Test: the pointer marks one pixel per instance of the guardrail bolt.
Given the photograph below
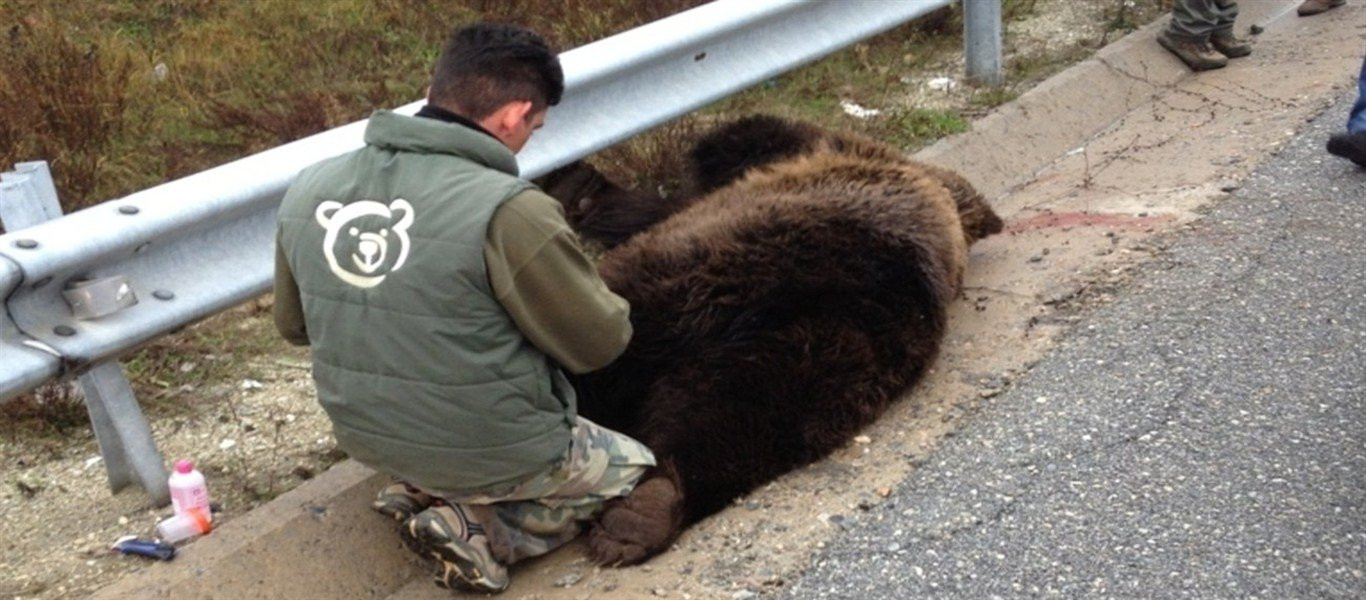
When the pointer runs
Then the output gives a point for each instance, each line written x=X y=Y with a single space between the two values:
x=26 y=243
x=64 y=330
x=128 y=209
x=163 y=294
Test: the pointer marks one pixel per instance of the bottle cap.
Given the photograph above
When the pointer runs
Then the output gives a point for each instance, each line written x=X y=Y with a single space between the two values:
x=184 y=466
x=183 y=527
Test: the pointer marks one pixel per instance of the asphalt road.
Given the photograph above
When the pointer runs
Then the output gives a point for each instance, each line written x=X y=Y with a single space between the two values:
x=1203 y=436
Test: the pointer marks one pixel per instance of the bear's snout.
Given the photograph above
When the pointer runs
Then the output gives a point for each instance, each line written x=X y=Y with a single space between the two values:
x=372 y=248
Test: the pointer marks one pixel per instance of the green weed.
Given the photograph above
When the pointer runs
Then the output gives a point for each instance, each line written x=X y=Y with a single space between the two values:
x=916 y=128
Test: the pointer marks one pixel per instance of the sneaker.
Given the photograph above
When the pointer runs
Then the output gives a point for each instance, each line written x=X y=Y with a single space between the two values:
x=1351 y=146
x=1314 y=7
x=400 y=501
x=458 y=544
x=1229 y=45
x=1197 y=54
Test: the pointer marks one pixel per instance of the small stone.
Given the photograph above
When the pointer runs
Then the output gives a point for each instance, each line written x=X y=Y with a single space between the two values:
x=661 y=592
x=568 y=580
x=227 y=444
x=1256 y=29
x=884 y=491
x=744 y=595
x=123 y=520
x=863 y=439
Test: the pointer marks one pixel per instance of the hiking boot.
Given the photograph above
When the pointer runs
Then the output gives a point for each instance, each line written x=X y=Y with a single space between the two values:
x=1314 y=7
x=1229 y=45
x=1351 y=146
x=447 y=534
x=400 y=501
x=1197 y=54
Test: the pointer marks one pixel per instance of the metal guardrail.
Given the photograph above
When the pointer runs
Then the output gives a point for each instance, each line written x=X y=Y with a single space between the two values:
x=182 y=251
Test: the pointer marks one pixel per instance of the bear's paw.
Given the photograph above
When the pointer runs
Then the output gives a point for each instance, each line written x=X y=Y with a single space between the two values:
x=640 y=525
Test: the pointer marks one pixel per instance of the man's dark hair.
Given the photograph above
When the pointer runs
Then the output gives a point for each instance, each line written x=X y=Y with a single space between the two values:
x=486 y=65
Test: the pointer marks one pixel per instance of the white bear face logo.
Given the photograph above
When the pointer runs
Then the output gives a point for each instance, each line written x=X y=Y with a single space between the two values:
x=365 y=240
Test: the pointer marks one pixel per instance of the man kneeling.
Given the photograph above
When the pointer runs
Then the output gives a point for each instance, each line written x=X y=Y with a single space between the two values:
x=443 y=297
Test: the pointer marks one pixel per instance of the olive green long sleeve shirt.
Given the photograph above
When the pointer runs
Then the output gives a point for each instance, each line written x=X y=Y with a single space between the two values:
x=539 y=274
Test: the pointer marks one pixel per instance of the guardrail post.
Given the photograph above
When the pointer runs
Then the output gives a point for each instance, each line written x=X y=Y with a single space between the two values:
x=982 y=40
x=28 y=197
x=130 y=454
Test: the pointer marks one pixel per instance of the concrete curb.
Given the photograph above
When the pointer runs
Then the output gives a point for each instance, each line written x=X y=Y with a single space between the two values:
x=292 y=546
x=288 y=549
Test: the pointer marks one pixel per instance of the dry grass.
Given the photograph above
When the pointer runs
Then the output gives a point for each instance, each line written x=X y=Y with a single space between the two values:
x=64 y=99
x=120 y=95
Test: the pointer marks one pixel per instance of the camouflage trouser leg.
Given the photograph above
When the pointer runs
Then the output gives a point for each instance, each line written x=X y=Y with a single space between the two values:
x=1198 y=19
x=545 y=512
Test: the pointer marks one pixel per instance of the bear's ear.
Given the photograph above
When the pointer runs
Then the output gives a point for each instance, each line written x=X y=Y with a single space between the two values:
x=325 y=212
x=407 y=219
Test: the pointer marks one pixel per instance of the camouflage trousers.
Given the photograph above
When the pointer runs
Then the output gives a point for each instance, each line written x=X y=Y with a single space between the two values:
x=1198 y=19
x=546 y=511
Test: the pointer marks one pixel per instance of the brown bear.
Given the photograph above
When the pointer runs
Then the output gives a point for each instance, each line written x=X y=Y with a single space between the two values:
x=777 y=312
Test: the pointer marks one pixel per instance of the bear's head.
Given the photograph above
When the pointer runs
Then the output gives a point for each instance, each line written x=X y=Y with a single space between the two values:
x=365 y=240
x=601 y=211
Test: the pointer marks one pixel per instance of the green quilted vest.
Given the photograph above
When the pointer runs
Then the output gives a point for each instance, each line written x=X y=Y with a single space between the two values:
x=424 y=375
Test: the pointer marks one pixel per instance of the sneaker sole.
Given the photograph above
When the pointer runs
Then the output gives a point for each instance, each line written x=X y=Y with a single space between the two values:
x=454 y=570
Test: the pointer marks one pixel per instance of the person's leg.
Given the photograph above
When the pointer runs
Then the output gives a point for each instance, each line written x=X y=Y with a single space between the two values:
x=1187 y=34
x=1225 y=12
x=1352 y=145
x=1195 y=19
x=546 y=512
x=474 y=537
x=1356 y=120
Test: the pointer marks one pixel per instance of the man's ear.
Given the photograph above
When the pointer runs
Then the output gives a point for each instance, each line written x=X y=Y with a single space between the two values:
x=514 y=113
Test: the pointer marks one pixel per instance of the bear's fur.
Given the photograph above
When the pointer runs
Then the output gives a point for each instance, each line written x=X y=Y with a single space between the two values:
x=775 y=315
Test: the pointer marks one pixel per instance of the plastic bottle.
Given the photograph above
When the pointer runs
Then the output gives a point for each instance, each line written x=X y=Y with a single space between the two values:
x=184 y=526
x=188 y=491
